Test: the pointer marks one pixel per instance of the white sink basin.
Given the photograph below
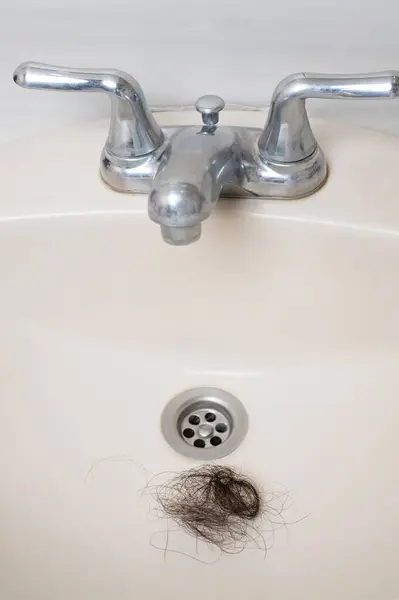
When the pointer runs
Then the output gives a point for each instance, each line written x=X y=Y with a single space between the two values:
x=291 y=306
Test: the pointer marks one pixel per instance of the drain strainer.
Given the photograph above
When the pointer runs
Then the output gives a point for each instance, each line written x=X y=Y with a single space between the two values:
x=204 y=423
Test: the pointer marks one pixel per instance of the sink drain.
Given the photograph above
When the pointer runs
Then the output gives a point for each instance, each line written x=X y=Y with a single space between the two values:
x=204 y=423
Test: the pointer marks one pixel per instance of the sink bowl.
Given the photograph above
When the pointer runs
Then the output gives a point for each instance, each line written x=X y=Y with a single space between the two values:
x=290 y=306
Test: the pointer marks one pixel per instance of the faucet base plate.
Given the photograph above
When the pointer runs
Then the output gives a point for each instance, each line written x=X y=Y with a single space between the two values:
x=266 y=179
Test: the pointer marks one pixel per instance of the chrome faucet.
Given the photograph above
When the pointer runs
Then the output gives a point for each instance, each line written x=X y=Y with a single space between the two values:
x=185 y=169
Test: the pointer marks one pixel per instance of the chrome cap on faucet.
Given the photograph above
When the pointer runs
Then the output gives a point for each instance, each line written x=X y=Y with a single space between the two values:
x=210 y=106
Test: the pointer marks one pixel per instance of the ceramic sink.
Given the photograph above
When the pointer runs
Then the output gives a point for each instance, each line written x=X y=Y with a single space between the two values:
x=292 y=306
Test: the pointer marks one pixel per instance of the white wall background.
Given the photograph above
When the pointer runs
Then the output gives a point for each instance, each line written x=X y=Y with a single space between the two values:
x=180 y=49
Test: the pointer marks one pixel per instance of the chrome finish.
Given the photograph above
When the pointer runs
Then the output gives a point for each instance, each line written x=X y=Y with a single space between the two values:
x=287 y=136
x=210 y=106
x=196 y=164
x=133 y=130
x=187 y=427
x=205 y=431
x=181 y=236
x=185 y=169
x=269 y=179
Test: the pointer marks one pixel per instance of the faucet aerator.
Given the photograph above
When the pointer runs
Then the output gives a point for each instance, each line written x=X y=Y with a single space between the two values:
x=181 y=236
x=179 y=209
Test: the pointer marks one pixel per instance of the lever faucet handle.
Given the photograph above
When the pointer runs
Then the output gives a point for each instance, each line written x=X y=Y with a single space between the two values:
x=210 y=106
x=287 y=136
x=133 y=130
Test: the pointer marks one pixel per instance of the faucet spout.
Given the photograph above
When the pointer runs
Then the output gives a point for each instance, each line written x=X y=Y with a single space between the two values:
x=198 y=162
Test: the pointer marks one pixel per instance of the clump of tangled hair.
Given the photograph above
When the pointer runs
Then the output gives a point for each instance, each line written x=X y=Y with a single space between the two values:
x=213 y=503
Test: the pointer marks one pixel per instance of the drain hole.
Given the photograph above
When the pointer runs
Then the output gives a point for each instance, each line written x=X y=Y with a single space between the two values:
x=207 y=419
x=188 y=433
x=215 y=441
x=221 y=428
x=200 y=443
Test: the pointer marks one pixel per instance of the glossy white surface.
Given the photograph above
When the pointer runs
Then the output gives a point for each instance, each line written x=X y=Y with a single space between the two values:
x=291 y=306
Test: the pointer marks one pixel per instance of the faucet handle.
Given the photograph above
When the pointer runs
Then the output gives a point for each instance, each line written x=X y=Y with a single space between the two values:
x=287 y=136
x=133 y=130
x=210 y=106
